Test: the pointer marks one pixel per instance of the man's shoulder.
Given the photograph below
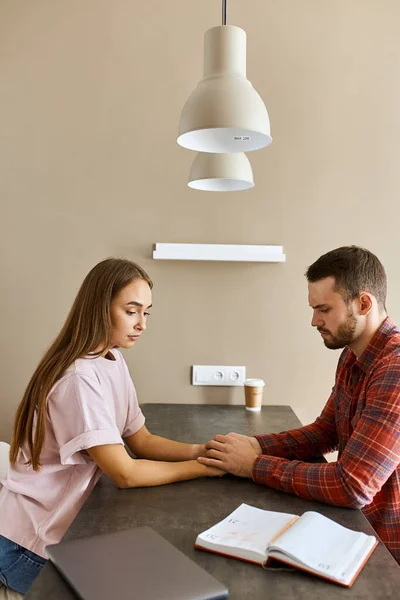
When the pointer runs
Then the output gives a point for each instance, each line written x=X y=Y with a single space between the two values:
x=387 y=340
x=384 y=357
x=391 y=350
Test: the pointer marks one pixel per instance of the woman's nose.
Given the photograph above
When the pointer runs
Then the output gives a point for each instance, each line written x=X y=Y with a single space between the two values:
x=141 y=323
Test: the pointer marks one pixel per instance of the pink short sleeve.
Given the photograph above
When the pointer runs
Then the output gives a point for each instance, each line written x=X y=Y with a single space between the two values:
x=81 y=418
x=135 y=418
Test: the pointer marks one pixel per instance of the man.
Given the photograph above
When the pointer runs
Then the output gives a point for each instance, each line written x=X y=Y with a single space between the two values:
x=347 y=293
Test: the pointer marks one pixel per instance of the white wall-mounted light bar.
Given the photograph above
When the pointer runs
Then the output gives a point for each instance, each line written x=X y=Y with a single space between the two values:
x=223 y=252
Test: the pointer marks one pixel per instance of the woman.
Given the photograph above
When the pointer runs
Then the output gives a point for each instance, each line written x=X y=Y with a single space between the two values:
x=79 y=409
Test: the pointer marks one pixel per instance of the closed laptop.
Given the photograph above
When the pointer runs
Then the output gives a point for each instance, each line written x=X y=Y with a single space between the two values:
x=132 y=564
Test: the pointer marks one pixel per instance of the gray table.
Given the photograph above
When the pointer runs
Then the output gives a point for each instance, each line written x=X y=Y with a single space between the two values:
x=181 y=510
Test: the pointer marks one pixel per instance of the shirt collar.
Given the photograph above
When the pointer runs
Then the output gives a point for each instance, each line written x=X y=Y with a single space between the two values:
x=376 y=345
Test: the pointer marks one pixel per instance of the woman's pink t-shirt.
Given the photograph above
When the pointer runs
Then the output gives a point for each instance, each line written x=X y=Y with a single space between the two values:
x=94 y=403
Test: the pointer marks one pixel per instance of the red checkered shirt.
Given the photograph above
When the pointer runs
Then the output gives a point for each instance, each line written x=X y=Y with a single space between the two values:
x=362 y=421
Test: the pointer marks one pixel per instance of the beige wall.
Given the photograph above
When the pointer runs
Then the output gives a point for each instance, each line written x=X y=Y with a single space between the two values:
x=90 y=97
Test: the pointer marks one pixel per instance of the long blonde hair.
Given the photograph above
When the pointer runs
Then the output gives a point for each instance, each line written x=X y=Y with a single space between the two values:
x=88 y=327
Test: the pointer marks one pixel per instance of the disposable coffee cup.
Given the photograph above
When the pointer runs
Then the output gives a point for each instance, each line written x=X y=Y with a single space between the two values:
x=253 y=394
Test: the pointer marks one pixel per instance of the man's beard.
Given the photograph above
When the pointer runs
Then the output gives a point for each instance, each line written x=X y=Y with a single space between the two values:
x=345 y=334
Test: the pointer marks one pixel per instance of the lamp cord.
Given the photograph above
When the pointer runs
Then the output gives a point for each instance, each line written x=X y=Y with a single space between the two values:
x=223 y=12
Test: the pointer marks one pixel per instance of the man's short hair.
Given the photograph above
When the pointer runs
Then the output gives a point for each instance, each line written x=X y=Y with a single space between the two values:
x=355 y=270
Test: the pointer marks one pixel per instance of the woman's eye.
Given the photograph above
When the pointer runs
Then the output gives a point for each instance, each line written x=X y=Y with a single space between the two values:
x=146 y=314
x=129 y=312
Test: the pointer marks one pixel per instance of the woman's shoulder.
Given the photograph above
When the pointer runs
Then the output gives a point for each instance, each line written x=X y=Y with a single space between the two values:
x=91 y=367
x=89 y=364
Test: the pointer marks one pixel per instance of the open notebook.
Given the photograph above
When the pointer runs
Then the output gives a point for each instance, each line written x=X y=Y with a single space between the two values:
x=311 y=542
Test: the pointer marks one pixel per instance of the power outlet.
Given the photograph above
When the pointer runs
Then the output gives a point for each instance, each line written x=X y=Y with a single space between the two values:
x=217 y=375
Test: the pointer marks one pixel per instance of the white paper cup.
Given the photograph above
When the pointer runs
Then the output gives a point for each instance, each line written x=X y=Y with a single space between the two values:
x=253 y=394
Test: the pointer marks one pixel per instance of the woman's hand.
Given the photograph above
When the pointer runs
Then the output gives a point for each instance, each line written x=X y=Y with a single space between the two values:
x=199 y=450
x=214 y=472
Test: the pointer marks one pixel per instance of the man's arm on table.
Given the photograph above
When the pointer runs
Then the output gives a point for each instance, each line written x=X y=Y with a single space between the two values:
x=370 y=457
x=239 y=452
x=304 y=442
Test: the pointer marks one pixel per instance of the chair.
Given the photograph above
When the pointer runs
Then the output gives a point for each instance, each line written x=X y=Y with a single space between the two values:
x=7 y=594
x=4 y=461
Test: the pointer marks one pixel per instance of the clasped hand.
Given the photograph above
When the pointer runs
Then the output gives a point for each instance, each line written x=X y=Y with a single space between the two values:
x=233 y=453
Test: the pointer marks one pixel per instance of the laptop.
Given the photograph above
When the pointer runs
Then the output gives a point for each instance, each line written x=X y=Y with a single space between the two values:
x=132 y=564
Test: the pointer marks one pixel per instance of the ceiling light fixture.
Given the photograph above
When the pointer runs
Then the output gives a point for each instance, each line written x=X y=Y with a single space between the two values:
x=221 y=172
x=224 y=113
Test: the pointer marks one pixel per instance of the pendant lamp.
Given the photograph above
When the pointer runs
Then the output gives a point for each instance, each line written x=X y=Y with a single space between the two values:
x=224 y=113
x=221 y=172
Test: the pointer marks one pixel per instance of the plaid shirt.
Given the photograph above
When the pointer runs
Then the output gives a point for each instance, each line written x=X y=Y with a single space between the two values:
x=362 y=421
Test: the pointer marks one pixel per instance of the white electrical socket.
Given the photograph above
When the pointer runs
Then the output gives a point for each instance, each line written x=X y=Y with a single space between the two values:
x=217 y=375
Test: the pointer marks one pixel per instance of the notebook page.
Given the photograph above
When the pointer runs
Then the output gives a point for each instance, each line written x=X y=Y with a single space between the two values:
x=248 y=528
x=325 y=546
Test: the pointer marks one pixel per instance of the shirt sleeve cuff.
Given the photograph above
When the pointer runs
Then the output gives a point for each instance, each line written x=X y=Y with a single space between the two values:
x=268 y=444
x=71 y=454
x=134 y=426
x=263 y=468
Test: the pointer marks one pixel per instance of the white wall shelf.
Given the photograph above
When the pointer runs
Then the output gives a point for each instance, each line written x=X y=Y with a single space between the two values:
x=223 y=252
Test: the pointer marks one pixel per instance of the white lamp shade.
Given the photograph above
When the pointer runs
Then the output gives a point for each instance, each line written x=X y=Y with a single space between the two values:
x=224 y=113
x=221 y=172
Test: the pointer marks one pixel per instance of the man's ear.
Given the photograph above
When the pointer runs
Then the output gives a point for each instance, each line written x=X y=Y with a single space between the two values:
x=364 y=303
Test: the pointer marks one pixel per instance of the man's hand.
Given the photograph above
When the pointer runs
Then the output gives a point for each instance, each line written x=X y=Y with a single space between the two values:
x=233 y=453
x=254 y=442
